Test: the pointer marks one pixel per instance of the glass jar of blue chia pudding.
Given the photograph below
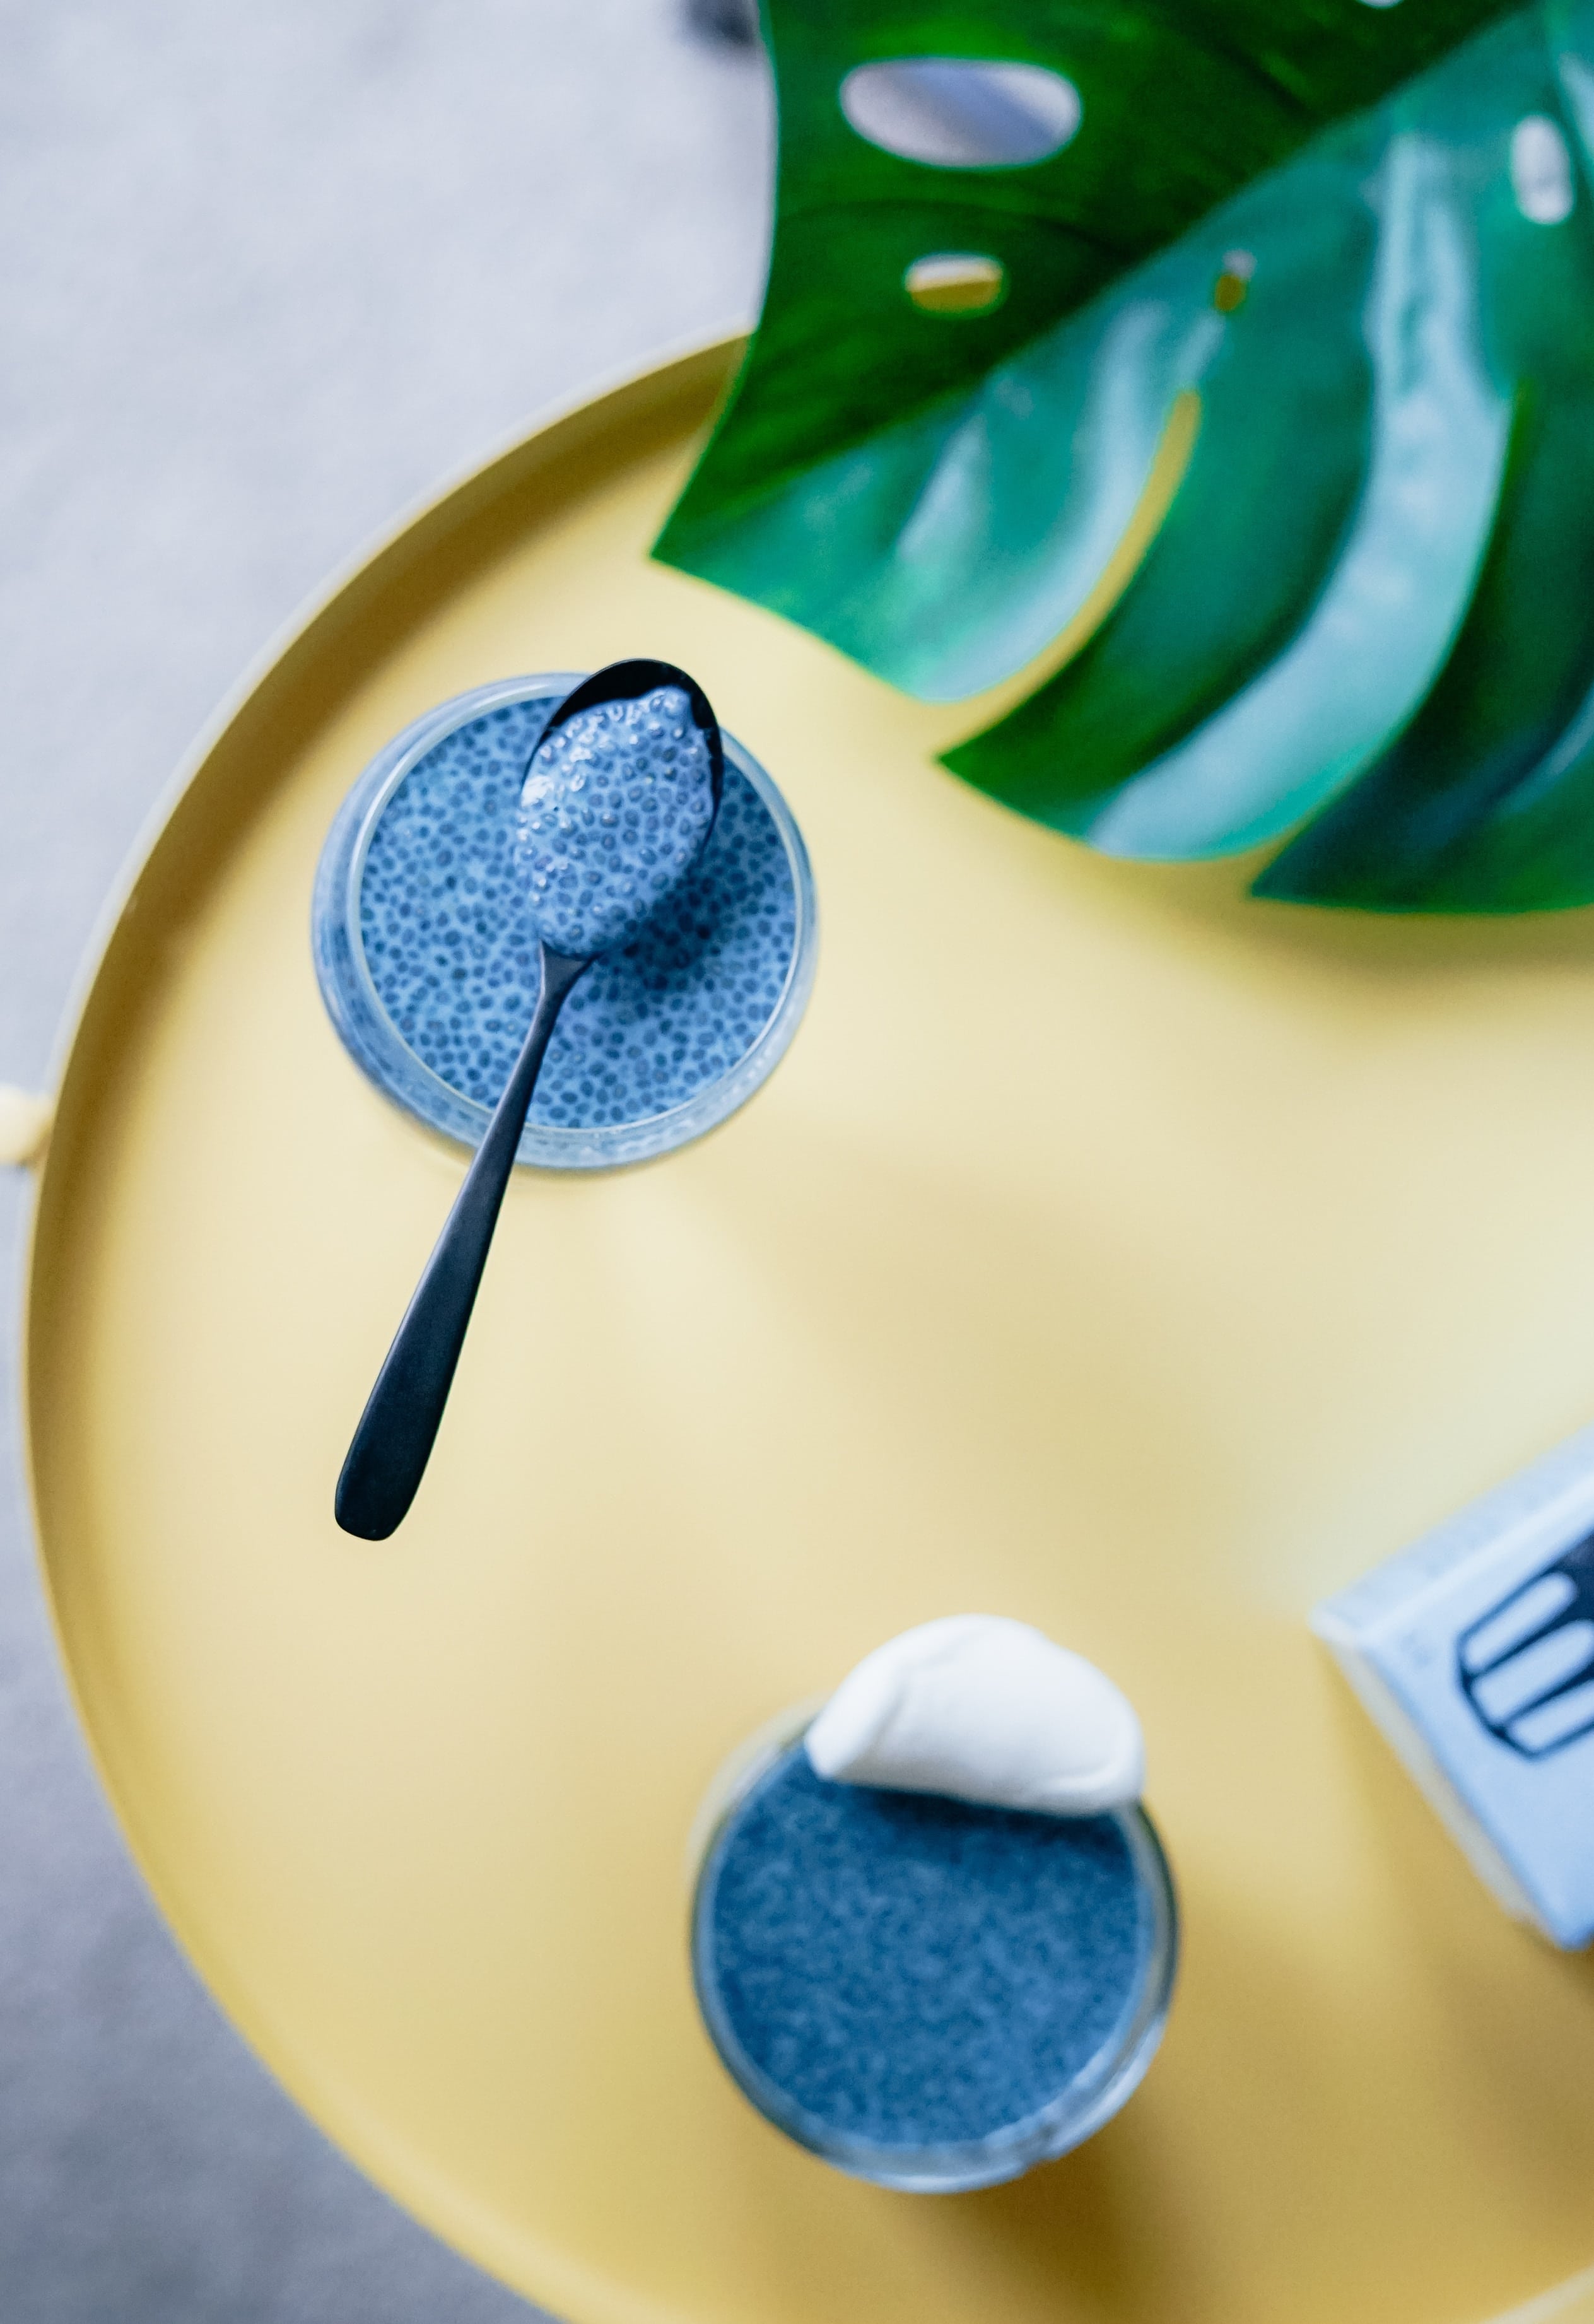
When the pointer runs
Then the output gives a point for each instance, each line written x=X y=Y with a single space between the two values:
x=929 y=1994
x=427 y=960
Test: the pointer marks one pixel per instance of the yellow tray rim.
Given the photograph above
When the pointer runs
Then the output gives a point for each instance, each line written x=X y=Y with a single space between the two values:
x=190 y=822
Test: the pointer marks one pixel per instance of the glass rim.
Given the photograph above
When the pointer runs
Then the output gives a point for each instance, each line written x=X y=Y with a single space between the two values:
x=386 y=1057
x=957 y=2166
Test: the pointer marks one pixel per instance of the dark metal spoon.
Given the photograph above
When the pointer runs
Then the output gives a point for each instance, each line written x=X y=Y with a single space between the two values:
x=617 y=807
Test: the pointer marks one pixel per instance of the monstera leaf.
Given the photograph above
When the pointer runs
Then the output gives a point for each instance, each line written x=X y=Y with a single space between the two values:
x=1247 y=437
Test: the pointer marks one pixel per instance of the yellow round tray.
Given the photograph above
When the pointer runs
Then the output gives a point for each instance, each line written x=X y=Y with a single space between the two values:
x=1108 y=1251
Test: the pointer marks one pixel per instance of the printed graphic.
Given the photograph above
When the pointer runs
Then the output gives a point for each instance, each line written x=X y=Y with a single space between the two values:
x=1527 y=1666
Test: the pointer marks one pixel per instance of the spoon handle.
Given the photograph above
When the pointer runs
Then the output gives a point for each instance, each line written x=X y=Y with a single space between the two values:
x=392 y=1443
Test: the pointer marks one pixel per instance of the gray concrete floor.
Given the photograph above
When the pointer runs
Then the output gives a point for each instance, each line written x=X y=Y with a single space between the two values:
x=266 y=274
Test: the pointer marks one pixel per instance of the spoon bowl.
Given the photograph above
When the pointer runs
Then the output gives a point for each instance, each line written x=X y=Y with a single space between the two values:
x=619 y=800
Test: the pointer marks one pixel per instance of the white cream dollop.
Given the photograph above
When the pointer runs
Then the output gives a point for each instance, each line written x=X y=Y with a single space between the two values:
x=983 y=1708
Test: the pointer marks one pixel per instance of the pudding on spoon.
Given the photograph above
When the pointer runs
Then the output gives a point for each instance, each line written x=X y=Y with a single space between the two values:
x=619 y=802
x=617 y=805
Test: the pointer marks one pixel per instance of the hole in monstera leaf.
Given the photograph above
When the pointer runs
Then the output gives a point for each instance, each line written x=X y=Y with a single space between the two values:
x=955 y=282
x=1228 y=290
x=960 y=113
x=1541 y=171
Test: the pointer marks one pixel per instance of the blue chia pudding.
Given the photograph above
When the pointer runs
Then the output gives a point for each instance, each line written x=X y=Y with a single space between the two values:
x=615 y=810
x=930 y=1994
x=662 y=1036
